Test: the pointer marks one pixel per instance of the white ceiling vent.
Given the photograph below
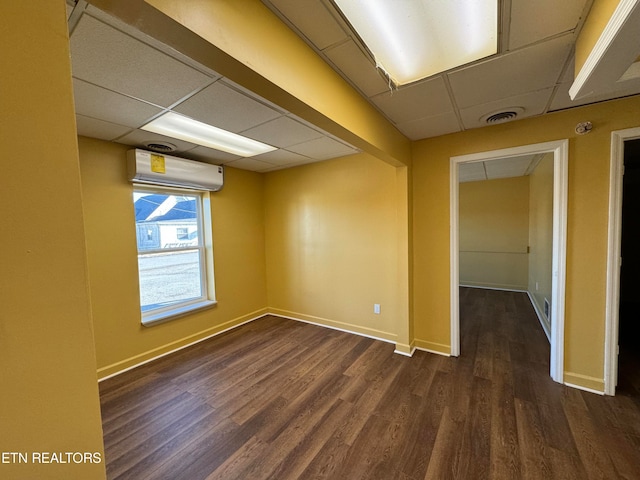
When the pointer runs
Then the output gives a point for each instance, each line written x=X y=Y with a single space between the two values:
x=502 y=116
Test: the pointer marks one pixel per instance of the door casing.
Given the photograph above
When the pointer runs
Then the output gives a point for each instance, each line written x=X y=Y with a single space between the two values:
x=560 y=150
x=612 y=319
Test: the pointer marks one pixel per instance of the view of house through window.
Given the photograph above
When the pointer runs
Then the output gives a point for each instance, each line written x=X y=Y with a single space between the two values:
x=171 y=252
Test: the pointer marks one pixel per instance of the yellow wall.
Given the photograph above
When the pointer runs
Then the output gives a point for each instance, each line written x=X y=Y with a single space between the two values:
x=49 y=391
x=239 y=261
x=541 y=233
x=587 y=225
x=493 y=233
x=332 y=249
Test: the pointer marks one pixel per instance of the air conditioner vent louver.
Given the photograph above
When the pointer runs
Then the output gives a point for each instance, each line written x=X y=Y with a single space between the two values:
x=501 y=117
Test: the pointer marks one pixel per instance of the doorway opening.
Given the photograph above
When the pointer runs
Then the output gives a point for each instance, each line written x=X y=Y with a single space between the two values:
x=559 y=150
x=622 y=356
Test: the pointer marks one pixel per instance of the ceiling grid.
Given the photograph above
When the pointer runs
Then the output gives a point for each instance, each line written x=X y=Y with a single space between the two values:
x=123 y=79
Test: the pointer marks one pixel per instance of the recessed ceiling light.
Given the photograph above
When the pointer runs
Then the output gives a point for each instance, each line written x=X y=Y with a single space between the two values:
x=190 y=130
x=413 y=39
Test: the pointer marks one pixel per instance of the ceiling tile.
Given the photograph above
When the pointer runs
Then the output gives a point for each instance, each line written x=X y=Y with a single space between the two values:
x=282 y=158
x=250 y=164
x=500 y=168
x=139 y=138
x=91 y=127
x=312 y=19
x=97 y=102
x=282 y=132
x=533 y=103
x=239 y=88
x=527 y=70
x=420 y=100
x=273 y=169
x=430 y=126
x=224 y=107
x=307 y=161
x=535 y=21
x=532 y=161
x=508 y=167
x=356 y=66
x=132 y=31
x=322 y=148
x=561 y=99
x=569 y=71
x=471 y=172
x=109 y=58
x=210 y=155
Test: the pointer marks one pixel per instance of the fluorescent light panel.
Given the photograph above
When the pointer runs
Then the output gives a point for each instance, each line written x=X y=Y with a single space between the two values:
x=185 y=128
x=414 y=39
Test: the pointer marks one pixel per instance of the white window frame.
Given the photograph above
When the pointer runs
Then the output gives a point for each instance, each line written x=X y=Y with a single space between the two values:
x=205 y=247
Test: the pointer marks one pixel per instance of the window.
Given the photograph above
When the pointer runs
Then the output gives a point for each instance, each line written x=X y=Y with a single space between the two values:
x=183 y=233
x=175 y=264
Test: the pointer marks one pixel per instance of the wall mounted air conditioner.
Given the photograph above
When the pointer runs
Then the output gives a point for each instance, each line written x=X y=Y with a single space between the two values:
x=158 y=169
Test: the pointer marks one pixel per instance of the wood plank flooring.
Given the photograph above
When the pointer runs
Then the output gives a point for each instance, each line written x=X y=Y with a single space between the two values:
x=281 y=399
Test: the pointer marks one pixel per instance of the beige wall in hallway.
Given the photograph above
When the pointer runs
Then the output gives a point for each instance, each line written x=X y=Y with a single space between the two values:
x=494 y=230
x=541 y=233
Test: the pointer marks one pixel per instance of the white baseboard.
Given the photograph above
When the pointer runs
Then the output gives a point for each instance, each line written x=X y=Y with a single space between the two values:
x=586 y=389
x=436 y=352
x=290 y=317
x=319 y=324
x=410 y=354
x=164 y=354
x=483 y=287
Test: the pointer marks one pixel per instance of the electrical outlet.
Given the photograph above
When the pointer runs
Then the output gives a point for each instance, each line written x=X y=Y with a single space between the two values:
x=376 y=308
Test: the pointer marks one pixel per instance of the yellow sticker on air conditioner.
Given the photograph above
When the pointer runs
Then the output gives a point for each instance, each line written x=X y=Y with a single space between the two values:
x=157 y=164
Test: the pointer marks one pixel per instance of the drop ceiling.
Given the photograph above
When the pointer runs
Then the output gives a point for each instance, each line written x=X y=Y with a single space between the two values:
x=123 y=79
x=531 y=74
x=520 y=166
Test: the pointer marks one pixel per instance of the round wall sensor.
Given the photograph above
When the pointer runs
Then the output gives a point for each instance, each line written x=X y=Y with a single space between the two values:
x=584 y=127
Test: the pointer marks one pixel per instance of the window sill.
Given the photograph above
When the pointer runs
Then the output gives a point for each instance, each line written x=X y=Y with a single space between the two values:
x=156 y=318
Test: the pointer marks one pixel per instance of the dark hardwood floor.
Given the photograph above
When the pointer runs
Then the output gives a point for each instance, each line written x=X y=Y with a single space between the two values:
x=281 y=399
